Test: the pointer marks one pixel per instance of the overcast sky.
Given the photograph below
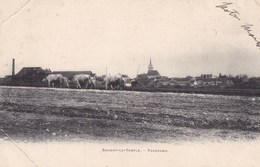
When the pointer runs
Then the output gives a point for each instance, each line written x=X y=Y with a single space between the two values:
x=183 y=37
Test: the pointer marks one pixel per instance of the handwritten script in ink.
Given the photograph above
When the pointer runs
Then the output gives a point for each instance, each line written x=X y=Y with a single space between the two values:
x=234 y=13
x=247 y=27
x=231 y=12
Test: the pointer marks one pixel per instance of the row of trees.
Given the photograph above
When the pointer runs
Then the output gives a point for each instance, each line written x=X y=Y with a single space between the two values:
x=243 y=81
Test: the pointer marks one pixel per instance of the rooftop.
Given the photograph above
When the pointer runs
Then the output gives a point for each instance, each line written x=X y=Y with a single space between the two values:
x=32 y=70
x=153 y=73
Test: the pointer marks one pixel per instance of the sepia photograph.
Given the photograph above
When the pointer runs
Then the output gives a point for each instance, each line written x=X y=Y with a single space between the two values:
x=108 y=83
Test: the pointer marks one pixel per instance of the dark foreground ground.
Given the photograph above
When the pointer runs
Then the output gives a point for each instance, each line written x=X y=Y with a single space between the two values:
x=40 y=114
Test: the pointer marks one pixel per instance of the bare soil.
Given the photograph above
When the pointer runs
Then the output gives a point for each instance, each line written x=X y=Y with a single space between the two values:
x=40 y=114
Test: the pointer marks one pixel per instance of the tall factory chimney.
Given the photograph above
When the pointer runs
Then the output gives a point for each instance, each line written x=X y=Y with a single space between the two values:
x=13 y=68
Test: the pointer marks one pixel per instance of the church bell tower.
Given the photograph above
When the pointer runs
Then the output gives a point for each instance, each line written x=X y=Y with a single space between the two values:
x=150 y=67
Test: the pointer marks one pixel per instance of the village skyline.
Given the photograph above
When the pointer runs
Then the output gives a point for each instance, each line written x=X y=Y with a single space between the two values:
x=150 y=67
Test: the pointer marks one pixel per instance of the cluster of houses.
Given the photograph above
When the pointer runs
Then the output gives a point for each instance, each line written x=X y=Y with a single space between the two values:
x=154 y=79
x=205 y=80
x=33 y=76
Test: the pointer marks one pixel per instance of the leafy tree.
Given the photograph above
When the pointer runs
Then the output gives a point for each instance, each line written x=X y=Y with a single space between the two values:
x=240 y=80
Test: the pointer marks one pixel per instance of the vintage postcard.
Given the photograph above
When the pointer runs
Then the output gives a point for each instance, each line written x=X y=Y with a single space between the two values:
x=109 y=83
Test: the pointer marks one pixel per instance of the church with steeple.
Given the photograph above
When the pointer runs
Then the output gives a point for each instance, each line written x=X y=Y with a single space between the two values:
x=151 y=72
x=150 y=67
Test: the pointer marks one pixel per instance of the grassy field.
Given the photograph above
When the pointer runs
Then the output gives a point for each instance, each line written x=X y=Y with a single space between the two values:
x=39 y=114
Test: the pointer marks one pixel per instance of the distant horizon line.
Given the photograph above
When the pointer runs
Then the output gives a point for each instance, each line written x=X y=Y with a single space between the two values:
x=150 y=67
x=188 y=75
